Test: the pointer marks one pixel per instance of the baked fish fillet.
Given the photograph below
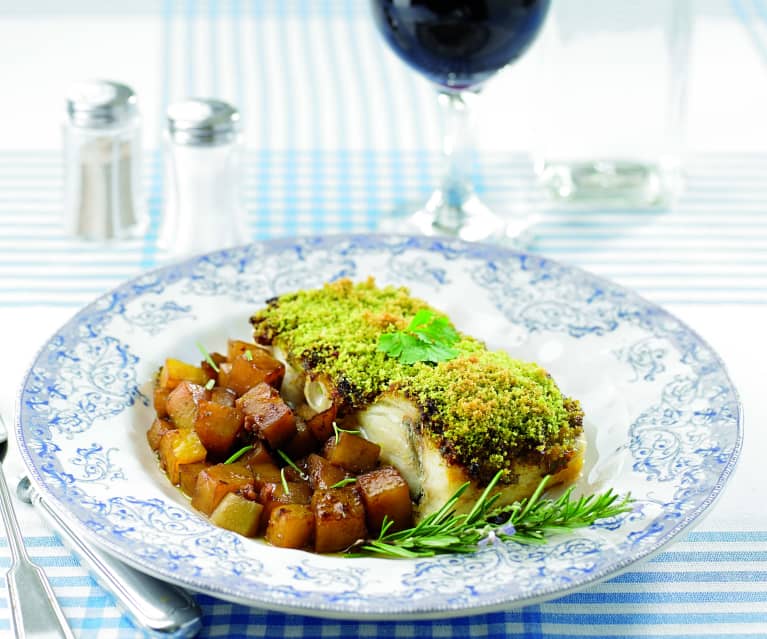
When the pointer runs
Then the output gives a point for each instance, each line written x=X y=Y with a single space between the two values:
x=440 y=425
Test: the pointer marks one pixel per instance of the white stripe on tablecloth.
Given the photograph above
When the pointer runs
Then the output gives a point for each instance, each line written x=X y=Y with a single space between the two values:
x=712 y=248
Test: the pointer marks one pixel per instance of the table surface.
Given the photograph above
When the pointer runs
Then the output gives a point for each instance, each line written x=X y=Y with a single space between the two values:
x=339 y=132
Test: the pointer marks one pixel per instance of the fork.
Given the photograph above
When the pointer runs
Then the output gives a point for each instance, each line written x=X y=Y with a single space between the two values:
x=36 y=612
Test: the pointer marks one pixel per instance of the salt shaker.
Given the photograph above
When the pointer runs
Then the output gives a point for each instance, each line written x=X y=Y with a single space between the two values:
x=204 y=208
x=102 y=156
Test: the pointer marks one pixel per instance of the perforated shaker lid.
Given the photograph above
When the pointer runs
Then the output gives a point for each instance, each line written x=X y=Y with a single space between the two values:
x=100 y=103
x=202 y=122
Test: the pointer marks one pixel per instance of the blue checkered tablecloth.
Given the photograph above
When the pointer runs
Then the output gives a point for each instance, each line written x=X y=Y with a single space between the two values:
x=338 y=132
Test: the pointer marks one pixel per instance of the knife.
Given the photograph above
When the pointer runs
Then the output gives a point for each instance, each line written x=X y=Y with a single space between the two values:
x=159 y=608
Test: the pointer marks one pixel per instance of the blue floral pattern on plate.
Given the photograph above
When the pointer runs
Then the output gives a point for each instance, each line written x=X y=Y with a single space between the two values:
x=663 y=420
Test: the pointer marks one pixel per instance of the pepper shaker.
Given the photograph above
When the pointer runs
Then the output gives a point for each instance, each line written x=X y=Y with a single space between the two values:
x=102 y=157
x=204 y=208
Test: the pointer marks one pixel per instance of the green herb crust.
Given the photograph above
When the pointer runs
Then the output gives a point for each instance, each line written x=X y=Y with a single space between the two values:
x=485 y=409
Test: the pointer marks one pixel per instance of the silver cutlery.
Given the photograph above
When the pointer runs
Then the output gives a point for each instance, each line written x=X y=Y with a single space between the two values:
x=36 y=612
x=159 y=608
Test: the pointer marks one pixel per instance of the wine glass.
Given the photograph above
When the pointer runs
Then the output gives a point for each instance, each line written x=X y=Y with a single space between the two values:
x=458 y=45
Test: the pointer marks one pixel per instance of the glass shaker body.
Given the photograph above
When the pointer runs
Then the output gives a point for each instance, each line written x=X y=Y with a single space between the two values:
x=204 y=207
x=103 y=194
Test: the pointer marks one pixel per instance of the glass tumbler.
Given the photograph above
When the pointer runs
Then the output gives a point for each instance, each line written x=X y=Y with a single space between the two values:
x=613 y=88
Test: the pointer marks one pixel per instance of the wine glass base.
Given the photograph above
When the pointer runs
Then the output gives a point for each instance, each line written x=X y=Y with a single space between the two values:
x=474 y=221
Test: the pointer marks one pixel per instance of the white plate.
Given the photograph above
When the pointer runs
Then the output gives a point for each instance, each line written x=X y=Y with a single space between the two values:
x=663 y=421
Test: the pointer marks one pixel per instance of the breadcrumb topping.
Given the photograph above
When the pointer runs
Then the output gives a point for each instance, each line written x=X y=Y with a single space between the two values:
x=485 y=409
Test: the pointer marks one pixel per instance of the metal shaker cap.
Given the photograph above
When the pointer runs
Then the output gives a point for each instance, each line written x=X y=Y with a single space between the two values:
x=100 y=103
x=202 y=122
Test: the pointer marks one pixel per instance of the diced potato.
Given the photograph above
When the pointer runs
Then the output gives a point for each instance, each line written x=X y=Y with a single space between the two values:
x=183 y=402
x=385 y=493
x=323 y=474
x=187 y=476
x=245 y=373
x=160 y=400
x=238 y=514
x=179 y=447
x=217 y=426
x=267 y=415
x=291 y=526
x=158 y=428
x=339 y=518
x=351 y=452
x=258 y=454
x=321 y=424
x=236 y=347
x=209 y=369
x=273 y=495
x=266 y=472
x=215 y=482
x=223 y=396
x=175 y=371
x=302 y=443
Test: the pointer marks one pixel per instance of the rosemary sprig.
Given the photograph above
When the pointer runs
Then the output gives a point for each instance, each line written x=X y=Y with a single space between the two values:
x=529 y=520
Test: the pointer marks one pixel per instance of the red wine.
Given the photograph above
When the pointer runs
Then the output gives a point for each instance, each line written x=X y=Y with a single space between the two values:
x=459 y=43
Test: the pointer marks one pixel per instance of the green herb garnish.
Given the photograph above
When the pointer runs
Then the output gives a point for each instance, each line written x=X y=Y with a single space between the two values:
x=291 y=463
x=428 y=338
x=238 y=454
x=210 y=384
x=344 y=482
x=529 y=520
x=207 y=357
x=285 y=486
x=248 y=355
x=338 y=430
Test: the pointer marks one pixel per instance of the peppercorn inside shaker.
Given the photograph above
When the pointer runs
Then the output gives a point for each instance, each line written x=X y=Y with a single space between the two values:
x=102 y=162
x=204 y=208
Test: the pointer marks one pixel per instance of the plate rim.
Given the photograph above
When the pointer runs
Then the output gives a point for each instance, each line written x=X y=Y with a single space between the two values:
x=339 y=610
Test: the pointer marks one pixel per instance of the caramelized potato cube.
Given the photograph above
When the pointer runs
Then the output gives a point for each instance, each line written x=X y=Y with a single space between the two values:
x=273 y=495
x=224 y=370
x=302 y=443
x=245 y=373
x=187 y=476
x=223 y=396
x=339 y=518
x=385 y=493
x=351 y=452
x=179 y=447
x=258 y=454
x=183 y=402
x=158 y=428
x=321 y=424
x=267 y=415
x=238 y=514
x=160 y=400
x=217 y=426
x=236 y=347
x=174 y=371
x=265 y=473
x=210 y=370
x=323 y=474
x=291 y=526
x=215 y=482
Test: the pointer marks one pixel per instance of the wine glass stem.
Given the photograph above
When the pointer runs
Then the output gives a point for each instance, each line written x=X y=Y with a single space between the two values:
x=455 y=187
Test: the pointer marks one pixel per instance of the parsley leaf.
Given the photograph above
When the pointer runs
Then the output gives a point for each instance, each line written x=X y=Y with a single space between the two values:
x=428 y=338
